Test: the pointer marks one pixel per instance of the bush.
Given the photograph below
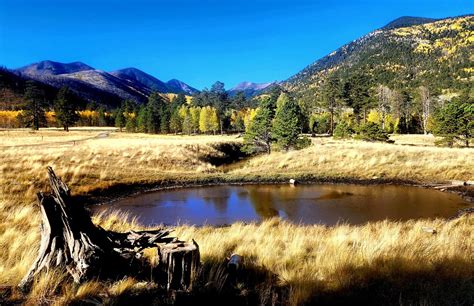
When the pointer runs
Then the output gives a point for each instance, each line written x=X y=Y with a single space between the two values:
x=343 y=131
x=319 y=123
x=303 y=142
x=371 y=132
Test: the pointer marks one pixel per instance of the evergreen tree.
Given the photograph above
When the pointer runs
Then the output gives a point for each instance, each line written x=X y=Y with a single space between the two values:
x=34 y=109
x=187 y=121
x=331 y=94
x=355 y=93
x=287 y=123
x=258 y=135
x=220 y=102
x=120 y=118
x=131 y=122
x=153 y=112
x=142 y=119
x=65 y=108
x=165 y=116
x=179 y=100
x=455 y=121
x=239 y=101
x=176 y=123
x=102 y=120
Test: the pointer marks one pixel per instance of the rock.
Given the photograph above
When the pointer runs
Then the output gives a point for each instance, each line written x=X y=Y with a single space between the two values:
x=235 y=262
x=429 y=230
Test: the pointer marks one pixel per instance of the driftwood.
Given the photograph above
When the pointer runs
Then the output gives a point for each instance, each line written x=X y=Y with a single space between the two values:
x=69 y=239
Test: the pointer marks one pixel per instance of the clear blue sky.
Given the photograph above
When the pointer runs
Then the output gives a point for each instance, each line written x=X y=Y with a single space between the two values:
x=197 y=42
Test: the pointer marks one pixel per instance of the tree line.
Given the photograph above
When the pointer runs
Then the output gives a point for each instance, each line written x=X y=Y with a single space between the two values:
x=338 y=106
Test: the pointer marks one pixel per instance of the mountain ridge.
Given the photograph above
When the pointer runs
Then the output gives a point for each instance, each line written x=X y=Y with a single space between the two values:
x=95 y=84
x=397 y=55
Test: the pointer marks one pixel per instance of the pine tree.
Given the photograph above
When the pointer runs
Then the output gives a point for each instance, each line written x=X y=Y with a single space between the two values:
x=120 y=118
x=65 y=109
x=131 y=122
x=220 y=102
x=141 y=119
x=455 y=121
x=331 y=94
x=355 y=93
x=33 y=111
x=186 y=120
x=258 y=134
x=154 y=109
x=287 y=123
x=102 y=120
x=176 y=122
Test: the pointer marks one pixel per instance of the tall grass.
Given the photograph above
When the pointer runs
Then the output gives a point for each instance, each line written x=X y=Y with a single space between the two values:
x=396 y=260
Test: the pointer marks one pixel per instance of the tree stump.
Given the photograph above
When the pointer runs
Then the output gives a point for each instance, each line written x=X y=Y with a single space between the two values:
x=69 y=239
x=178 y=264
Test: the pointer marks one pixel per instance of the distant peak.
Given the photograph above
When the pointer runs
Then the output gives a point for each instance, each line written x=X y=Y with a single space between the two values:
x=250 y=85
x=406 y=21
x=55 y=68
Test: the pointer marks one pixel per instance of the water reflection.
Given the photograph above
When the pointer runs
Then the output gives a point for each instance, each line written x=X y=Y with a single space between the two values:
x=308 y=204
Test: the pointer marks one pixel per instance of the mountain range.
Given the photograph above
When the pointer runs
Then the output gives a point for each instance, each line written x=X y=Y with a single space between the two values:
x=97 y=85
x=405 y=53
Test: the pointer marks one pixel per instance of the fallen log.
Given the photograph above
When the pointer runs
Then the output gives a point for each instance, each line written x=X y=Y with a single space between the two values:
x=70 y=239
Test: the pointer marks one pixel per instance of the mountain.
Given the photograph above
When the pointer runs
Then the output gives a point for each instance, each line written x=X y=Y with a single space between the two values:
x=438 y=53
x=407 y=21
x=53 y=68
x=12 y=88
x=134 y=76
x=176 y=86
x=100 y=86
x=249 y=89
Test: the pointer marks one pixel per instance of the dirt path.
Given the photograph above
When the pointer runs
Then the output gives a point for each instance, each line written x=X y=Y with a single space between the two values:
x=60 y=143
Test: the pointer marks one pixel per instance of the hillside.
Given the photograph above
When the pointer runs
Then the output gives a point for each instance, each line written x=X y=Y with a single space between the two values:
x=437 y=54
x=92 y=85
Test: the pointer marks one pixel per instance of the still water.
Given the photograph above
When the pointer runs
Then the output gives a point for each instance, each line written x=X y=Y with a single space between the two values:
x=307 y=204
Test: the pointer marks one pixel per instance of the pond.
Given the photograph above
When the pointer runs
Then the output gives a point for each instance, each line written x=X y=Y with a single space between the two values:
x=306 y=204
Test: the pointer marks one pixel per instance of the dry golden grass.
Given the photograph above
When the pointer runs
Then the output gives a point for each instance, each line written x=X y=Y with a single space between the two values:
x=365 y=160
x=311 y=260
x=317 y=259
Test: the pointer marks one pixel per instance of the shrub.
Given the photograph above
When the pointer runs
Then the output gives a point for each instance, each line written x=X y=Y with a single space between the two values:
x=343 y=131
x=303 y=142
x=319 y=123
x=371 y=132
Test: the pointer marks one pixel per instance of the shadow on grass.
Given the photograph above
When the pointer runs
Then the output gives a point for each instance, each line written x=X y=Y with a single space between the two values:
x=383 y=282
x=228 y=153
x=399 y=282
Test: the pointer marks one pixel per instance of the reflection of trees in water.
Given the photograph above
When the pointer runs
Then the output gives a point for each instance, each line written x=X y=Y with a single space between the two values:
x=262 y=201
x=268 y=200
x=218 y=197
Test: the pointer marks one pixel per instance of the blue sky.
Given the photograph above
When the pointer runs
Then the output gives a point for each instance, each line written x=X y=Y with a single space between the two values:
x=197 y=42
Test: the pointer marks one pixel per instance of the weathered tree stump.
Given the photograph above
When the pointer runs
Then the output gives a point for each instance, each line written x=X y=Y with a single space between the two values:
x=178 y=263
x=69 y=239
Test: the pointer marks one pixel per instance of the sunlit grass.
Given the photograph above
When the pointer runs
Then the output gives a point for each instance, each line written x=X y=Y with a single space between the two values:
x=310 y=260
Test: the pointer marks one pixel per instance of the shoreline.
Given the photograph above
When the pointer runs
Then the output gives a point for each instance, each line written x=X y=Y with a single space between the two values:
x=112 y=193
